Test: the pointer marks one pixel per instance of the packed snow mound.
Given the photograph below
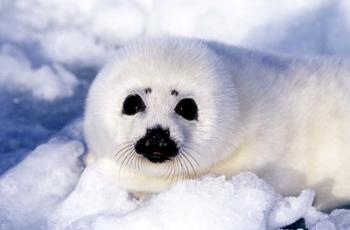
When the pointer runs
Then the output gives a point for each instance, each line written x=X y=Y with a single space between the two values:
x=30 y=191
x=85 y=32
x=48 y=191
x=244 y=202
x=51 y=35
x=337 y=220
x=45 y=82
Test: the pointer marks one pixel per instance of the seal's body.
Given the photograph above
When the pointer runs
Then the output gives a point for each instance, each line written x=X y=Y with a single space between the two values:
x=170 y=109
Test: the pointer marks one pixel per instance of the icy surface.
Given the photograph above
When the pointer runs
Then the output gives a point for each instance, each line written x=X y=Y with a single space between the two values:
x=48 y=191
x=245 y=202
x=30 y=191
x=43 y=197
x=50 y=52
x=337 y=220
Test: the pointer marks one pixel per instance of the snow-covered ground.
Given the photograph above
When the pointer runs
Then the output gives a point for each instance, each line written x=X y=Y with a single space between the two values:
x=49 y=53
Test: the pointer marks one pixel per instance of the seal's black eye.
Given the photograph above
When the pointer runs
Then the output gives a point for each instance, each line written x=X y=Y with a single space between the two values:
x=187 y=108
x=133 y=104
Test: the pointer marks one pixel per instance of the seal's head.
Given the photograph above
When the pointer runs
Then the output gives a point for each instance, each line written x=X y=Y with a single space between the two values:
x=164 y=107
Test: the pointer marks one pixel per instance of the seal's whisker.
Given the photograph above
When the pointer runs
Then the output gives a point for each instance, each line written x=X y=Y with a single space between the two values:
x=123 y=147
x=139 y=161
x=174 y=166
x=125 y=157
x=184 y=153
x=190 y=168
x=122 y=153
x=180 y=167
x=171 y=171
x=186 y=174
x=180 y=163
x=188 y=151
x=166 y=171
x=131 y=159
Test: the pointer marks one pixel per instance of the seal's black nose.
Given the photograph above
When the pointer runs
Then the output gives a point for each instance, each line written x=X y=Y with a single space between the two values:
x=157 y=145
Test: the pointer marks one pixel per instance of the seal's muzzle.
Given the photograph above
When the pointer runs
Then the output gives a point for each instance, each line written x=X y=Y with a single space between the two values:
x=157 y=145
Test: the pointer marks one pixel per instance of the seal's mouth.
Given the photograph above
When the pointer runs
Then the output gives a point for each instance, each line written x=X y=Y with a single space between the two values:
x=157 y=146
x=156 y=157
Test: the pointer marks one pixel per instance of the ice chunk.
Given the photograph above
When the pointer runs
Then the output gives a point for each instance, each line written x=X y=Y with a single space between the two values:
x=339 y=219
x=95 y=193
x=245 y=202
x=41 y=193
x=30 y=191
x=291 y=209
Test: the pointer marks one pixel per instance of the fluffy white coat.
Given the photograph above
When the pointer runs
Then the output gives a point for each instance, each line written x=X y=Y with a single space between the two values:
x=284 y=119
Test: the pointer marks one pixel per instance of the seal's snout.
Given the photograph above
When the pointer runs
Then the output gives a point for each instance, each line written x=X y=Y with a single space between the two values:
x=157 y=145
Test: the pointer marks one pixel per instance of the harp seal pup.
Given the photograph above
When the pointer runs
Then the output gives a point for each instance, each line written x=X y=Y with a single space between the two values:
x=167 y=109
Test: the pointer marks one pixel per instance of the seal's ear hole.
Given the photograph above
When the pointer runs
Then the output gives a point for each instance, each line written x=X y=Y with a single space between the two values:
x=187 y=108
x=133 y=104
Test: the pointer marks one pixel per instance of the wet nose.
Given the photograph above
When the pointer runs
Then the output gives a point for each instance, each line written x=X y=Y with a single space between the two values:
x=157 y=145
x=157 y=137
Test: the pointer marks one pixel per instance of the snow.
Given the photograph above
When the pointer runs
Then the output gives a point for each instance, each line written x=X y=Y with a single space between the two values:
x=50 y=190
x=291 y=208
x=45 y=82
x=84 y=32
x=337 y=220
x=30 y=191
x=46 y=196
x=50 y=52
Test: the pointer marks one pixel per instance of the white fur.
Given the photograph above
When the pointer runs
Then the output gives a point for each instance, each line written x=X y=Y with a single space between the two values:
x=286 y=120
